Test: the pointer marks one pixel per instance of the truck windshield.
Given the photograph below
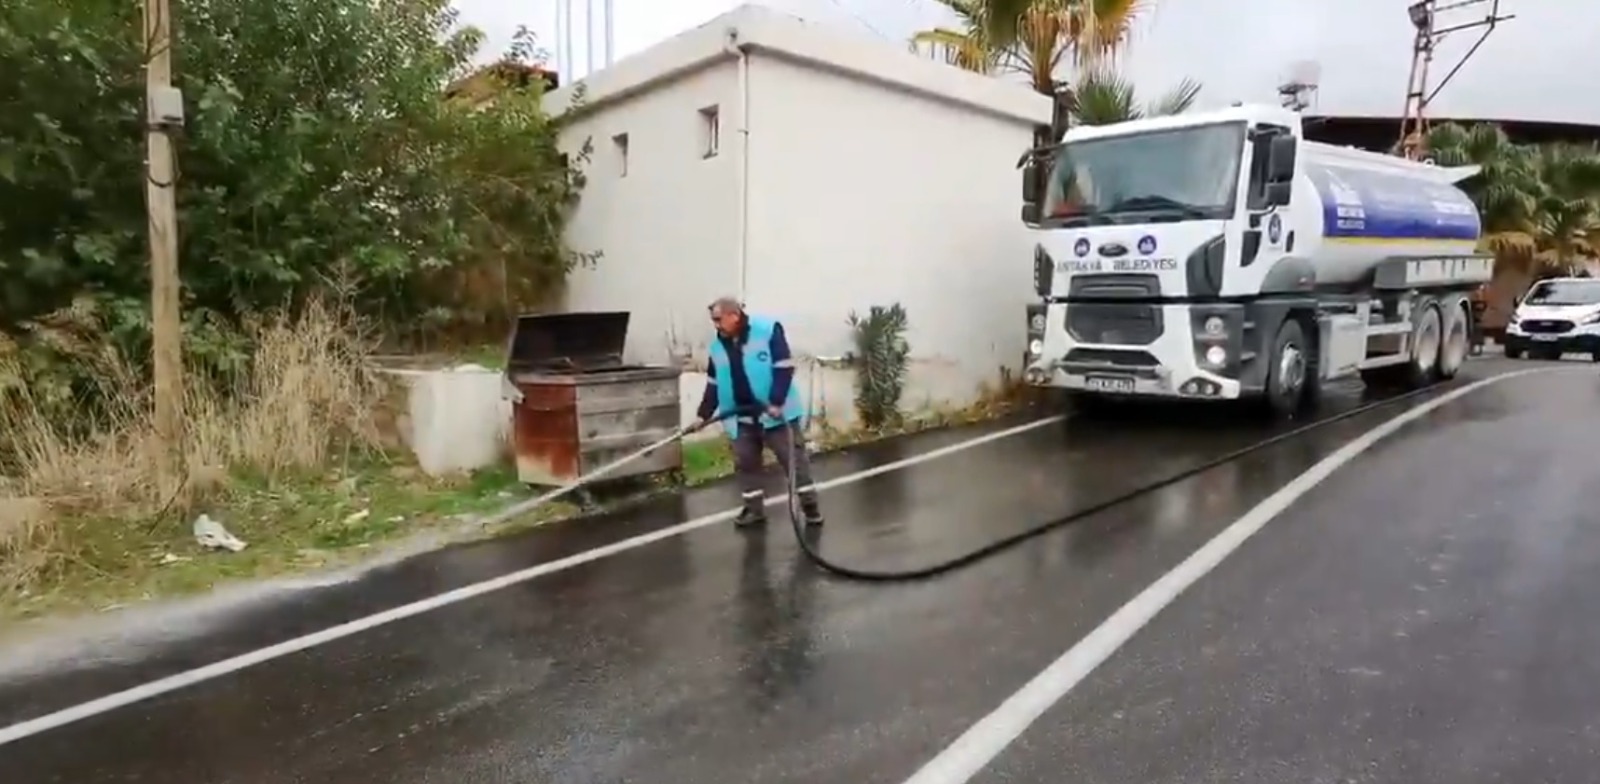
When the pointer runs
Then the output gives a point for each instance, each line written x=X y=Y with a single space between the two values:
x=1179 y=174
x=1564 y=292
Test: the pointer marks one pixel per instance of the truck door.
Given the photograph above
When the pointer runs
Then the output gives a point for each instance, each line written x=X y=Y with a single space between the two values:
x=1267 y=233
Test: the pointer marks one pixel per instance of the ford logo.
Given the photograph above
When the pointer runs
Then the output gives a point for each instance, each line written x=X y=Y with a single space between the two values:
x=1081 y=247
x=1147 y=245
x=1113 y=249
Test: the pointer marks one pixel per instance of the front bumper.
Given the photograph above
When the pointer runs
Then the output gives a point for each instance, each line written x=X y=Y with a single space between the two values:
x=1584 y=339
x=1173 y=364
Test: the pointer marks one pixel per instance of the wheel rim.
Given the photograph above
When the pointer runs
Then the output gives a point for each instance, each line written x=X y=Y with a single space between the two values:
x=1291 y=370
x=1426 y=354
x=1454 y=351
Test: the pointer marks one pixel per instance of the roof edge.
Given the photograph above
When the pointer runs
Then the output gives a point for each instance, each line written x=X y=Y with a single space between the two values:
x=753 y=28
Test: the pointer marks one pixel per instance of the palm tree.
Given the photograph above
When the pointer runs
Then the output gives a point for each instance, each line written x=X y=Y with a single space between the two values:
x=968 y=47
x=1045 y=33
x=1566 y=215
x=1505 y=192
x=1103 y=97
x=1540 y=205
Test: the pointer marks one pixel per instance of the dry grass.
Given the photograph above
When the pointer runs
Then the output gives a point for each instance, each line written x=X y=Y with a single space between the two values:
x=308 y=396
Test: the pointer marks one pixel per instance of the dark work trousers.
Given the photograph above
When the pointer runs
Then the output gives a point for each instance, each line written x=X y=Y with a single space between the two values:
x=748 y=444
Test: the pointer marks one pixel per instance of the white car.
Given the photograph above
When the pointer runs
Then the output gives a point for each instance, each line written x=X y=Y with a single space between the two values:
x=1557 y=316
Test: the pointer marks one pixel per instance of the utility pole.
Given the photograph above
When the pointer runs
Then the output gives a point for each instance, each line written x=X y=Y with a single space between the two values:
x=1425 y=18
x=163 y=112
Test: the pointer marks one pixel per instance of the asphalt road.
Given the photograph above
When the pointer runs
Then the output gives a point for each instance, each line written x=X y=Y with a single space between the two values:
x=1419 y=617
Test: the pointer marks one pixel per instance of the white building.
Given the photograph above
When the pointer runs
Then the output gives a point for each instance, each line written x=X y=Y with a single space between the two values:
x=812 y=173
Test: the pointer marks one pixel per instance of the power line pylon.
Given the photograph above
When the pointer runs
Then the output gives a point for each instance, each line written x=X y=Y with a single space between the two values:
x=1425 y=17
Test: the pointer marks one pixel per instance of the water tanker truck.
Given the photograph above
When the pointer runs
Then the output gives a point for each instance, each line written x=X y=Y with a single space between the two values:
x=1221 y=255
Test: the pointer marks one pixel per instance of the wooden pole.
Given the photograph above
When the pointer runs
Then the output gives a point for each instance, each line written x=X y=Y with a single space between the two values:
x=161 y=205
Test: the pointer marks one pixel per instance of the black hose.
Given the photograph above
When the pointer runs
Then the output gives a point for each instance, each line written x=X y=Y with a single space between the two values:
x=796 y=518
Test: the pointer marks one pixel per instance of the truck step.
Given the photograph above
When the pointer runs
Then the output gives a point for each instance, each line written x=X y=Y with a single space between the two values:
x=1402 y=328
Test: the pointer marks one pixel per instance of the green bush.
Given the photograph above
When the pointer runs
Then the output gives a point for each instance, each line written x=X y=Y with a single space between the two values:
x=882 y=360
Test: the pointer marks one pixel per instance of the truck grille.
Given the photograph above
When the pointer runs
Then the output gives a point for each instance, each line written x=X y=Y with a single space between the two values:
x=1115 y=323
x=1545 y=326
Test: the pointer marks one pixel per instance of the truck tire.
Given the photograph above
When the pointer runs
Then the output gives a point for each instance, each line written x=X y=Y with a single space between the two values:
x=1287 y=370
x=1457 y=342
x=1513 y=353
x=1426 y=340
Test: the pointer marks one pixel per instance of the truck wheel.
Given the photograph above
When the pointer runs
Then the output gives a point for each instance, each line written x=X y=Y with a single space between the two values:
x=1457 y=342
x=1423 y=369
x=1286 y=374
x=1513 y=353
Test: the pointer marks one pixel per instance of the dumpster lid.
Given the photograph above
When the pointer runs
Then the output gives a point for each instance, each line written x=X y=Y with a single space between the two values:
x=568 y=342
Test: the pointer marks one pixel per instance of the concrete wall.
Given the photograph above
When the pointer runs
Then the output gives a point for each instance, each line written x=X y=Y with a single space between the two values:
x=667 y=223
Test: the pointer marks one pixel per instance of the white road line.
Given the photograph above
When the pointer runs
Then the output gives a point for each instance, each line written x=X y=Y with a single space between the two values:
x=215 y=670
x=979 y=745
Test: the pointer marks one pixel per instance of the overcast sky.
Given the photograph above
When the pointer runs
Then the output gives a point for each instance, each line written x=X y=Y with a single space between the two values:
x=1530 y=68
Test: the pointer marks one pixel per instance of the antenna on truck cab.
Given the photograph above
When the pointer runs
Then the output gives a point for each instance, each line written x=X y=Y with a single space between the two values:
x=1425 y=17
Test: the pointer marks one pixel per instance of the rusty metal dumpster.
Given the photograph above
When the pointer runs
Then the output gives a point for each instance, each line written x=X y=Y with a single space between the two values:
x=577 y=407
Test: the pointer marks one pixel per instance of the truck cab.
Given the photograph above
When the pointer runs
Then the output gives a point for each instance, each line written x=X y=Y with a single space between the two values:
x=1220 y=255
x=1149 y=232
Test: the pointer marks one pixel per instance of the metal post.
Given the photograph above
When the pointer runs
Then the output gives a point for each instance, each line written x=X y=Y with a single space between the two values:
x=561 y=54
x=161 y=212
x=572 y=60
x=588 y=38
x=611 y=38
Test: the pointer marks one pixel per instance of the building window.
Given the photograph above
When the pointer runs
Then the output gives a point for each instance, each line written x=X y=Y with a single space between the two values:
x=710 y=132
x=620 y=142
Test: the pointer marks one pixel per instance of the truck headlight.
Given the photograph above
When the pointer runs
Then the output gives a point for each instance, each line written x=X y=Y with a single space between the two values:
x=1217 y=355
x=1215 y=326
x=1035 y=347
x=1036 y=324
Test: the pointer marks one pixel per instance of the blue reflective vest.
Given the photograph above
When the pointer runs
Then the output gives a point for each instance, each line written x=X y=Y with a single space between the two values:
x=758 y=369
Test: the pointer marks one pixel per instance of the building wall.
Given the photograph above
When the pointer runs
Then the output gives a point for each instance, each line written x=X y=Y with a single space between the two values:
x=864 y=194
x=668 y=227
x=874 y=177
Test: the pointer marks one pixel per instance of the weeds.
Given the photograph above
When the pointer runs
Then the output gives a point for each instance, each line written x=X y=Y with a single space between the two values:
x=306 y=396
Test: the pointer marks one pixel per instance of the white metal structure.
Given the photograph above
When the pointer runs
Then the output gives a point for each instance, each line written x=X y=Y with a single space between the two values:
x=815 y=172
x=1220 y=255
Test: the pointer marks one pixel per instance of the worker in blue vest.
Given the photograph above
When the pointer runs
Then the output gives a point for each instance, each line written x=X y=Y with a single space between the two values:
x=751 y=368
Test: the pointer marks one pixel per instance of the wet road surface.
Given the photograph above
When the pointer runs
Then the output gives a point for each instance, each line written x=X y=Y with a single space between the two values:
x=1426 y=615
x=720 y=656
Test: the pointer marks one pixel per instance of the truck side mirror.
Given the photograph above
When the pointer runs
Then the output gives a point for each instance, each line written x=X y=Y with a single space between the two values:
x=1030 y=184
x=1030 y=213
x=1280 y=158
x=1278 y=193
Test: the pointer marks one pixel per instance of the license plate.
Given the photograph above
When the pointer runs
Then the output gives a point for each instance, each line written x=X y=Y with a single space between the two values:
x=1109 y=383
x=1545 y=337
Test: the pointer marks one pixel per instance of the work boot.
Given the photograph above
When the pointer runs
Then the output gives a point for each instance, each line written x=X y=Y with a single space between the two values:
x=752 y=514
x=810 y=511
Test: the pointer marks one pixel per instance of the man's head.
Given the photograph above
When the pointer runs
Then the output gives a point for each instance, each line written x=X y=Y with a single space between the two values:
x=728 y=314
